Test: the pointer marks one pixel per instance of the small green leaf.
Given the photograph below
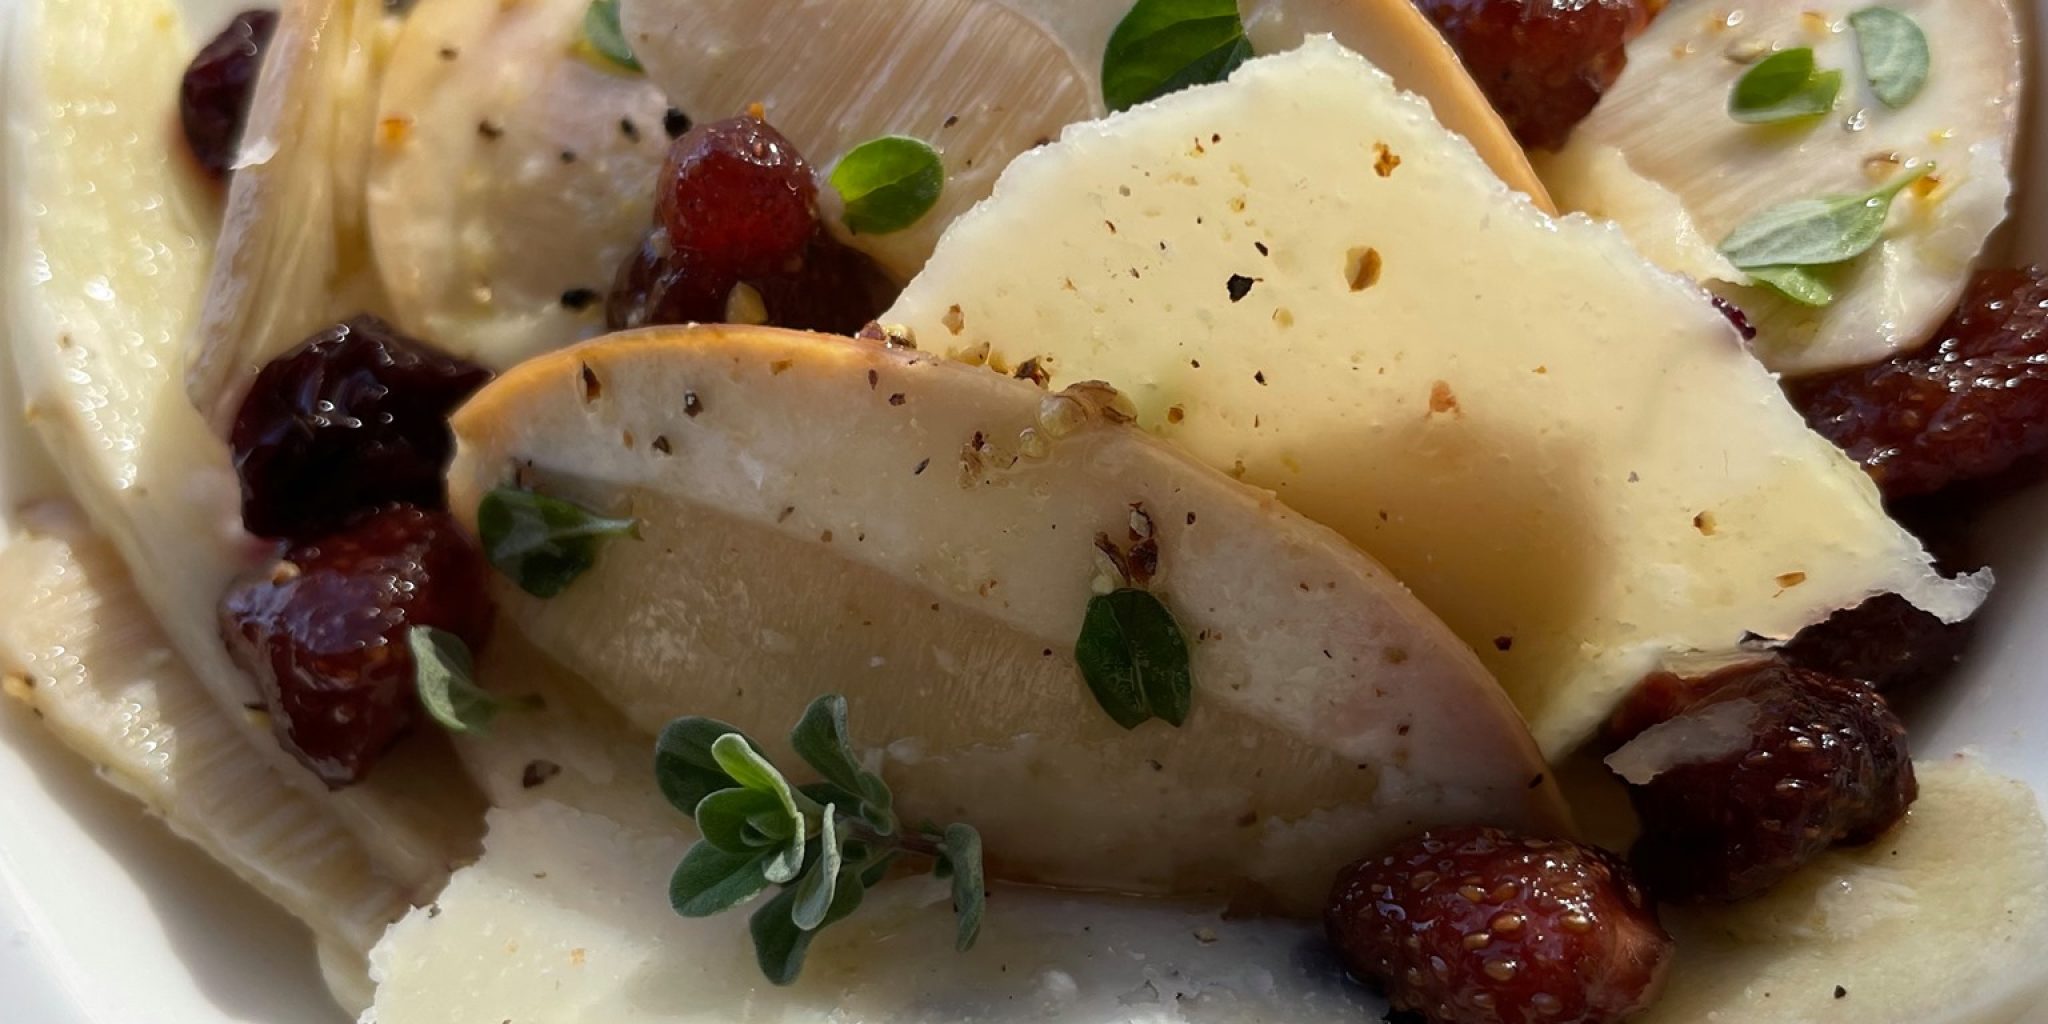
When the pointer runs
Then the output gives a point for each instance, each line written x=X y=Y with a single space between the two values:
x=1164 y=46
x=1795 y=283
x=970 y=897
x=543 y=543
x=605 y=38
x=888 y=184
x=727 y=817
x=815 y=890
x=738 y=759
x=821 y=738
x=445 y=675
x=1134 y=658
x=683 y=765
x=779 y=945
x=1895 y=54
x=876 y=868
x=711 y=881
x=1783 y=87
x=1816 y=232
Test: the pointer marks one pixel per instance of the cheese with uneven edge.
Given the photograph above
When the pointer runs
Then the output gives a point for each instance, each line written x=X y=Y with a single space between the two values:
x=564 y=921
x=1300 y=277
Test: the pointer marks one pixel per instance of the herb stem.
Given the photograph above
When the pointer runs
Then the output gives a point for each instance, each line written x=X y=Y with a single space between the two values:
x=899 y=842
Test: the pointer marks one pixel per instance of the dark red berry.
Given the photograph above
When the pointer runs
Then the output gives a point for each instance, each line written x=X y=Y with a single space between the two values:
x=1736 y=317
x=213 y=99
x=1761 y=769
x=1542 y=63
x=1478 y=926
x=1967 y=405
x=736 y=194
x=1885 y=642
x=325 y=634
x=832 y=288
x=353 y=419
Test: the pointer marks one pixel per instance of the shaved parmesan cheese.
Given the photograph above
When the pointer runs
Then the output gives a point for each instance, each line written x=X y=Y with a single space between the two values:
x=564 y=920
x=1303 y=279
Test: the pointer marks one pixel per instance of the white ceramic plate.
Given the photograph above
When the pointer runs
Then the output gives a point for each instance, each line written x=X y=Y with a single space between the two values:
x=105 y=918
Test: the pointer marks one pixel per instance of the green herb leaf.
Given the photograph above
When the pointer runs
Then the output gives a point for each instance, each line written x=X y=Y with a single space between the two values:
x=605 y=38
x=543 y=543
x=1795 y=283
x=1134 y=658
x=1895 y=54
x=888 y=184
x=683 y=765
x=738 y=759
x=1164 y=46
x=445 y=675
x=1783 y=87
x=814 y=891
x=1816 y=232
x=779 y=945
x=822 y=740
x=711 y=881
x=743 y=821
x=970 y=896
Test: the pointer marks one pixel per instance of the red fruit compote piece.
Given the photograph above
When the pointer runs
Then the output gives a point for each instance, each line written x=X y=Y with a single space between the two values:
x=213 y=98
x=324 y=634
x=1479 y=926
x=1753 y=772
x=1543 y=64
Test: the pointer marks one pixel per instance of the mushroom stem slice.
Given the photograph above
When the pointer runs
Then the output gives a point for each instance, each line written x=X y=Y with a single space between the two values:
x=823 y=515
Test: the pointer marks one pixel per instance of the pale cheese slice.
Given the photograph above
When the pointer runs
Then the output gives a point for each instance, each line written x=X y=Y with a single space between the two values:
x=1301 y=277
x=565 y=920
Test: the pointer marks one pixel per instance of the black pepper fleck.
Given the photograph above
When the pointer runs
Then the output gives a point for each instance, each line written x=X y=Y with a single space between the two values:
x=490 y=130
x=579 y=299
x=675 y=123
x=897 y=398
x=951 y=120
x=873 y=379
x=692 y=405
x=1536 y=780
x=1503 y=643
x=568 y=156
x=1261 y=247
x=1260 y=376
x=1239 y=286
x=921 y=467
x=450 y=53
x=630 y=130
x=1841 y=993
x=538 y=773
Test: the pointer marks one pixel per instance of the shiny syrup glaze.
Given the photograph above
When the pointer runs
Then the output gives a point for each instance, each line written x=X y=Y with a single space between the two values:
x=213 y=98
x=1543 y=64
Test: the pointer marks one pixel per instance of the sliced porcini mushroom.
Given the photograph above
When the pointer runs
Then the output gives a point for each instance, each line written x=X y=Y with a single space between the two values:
x=825 y=515
x=501 y=205
x=294 y=250
x=1666 y=122
x=1564 y=450
x=1393 y=34
x=975 y=80
x=105 y=257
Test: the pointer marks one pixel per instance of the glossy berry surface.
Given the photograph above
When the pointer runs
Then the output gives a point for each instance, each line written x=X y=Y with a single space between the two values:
x=352 y=419
x=325 y=635
x=1969 y=404
x=1480 y=926
x=1885 y=642
x=1542 y=63
x=213 y=98
x=1825 y=763
x=735 y=193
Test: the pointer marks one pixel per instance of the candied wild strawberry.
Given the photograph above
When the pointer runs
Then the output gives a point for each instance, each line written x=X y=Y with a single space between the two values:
x=1543 y=64
x=1479 y=926
x=1754 y=772
x=354 y=418
x=325 y=634
x=1967 y=405
x=213 y=98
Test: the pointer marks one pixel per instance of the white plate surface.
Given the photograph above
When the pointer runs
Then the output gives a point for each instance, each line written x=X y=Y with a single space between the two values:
x=105 y=918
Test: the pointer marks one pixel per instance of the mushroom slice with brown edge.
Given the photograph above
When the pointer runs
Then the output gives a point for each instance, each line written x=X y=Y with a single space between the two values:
x=1661 y=155
x=501 y=205
x=974 y=79
x=823 y=515
x=106 y=246
x=294 y=245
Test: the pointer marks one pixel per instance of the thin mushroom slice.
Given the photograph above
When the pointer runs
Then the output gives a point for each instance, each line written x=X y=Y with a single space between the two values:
x=1663 y=134
x=104 y=258
x=977 y=81
x=824 y=515
x=1393 y=34
x=513 y=173
x=294 y=245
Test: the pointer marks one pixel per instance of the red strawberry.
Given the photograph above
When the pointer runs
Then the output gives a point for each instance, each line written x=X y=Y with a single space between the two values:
x=1478 y=926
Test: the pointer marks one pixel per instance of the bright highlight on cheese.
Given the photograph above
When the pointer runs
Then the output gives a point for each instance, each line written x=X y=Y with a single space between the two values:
x=1562 y=450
